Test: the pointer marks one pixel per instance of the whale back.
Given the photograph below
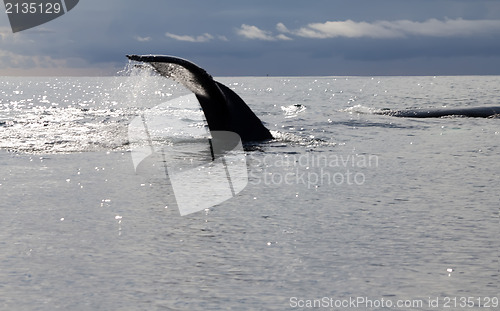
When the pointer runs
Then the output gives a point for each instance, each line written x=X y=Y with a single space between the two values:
x=472 y=112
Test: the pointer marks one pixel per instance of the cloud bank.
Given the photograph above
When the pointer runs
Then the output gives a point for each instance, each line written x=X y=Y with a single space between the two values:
x=243 y=38
x=378 y=29
x=253 y=32
x=201 y=38
x=206 y=37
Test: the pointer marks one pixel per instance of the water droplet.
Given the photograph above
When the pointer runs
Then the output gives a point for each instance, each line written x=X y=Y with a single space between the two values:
x=449 y=270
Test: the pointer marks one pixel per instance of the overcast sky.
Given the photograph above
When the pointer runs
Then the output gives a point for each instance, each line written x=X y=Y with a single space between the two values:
x=259 y=37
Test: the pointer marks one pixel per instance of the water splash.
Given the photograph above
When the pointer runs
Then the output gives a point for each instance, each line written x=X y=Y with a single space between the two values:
x=66 y=115
x=293 y=110
x=361 y=109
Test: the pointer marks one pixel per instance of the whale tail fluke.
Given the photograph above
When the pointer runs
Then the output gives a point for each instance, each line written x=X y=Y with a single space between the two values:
x=224 y=110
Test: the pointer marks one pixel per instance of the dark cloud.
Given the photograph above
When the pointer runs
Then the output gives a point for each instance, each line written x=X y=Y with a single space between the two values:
x=281 y=37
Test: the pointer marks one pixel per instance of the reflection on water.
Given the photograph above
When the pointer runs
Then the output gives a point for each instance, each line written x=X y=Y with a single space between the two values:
x=86 y=231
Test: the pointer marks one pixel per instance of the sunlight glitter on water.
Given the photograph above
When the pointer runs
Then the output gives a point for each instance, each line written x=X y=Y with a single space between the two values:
x=427 y=207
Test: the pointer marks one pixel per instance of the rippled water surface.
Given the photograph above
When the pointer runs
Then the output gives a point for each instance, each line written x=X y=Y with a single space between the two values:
x=343 y=204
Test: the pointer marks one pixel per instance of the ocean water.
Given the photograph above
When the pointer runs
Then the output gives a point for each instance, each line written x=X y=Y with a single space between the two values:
x=345 y=209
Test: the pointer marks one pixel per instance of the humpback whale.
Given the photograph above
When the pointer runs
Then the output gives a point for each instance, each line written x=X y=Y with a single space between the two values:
x=472 y=112
x=224 y=110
